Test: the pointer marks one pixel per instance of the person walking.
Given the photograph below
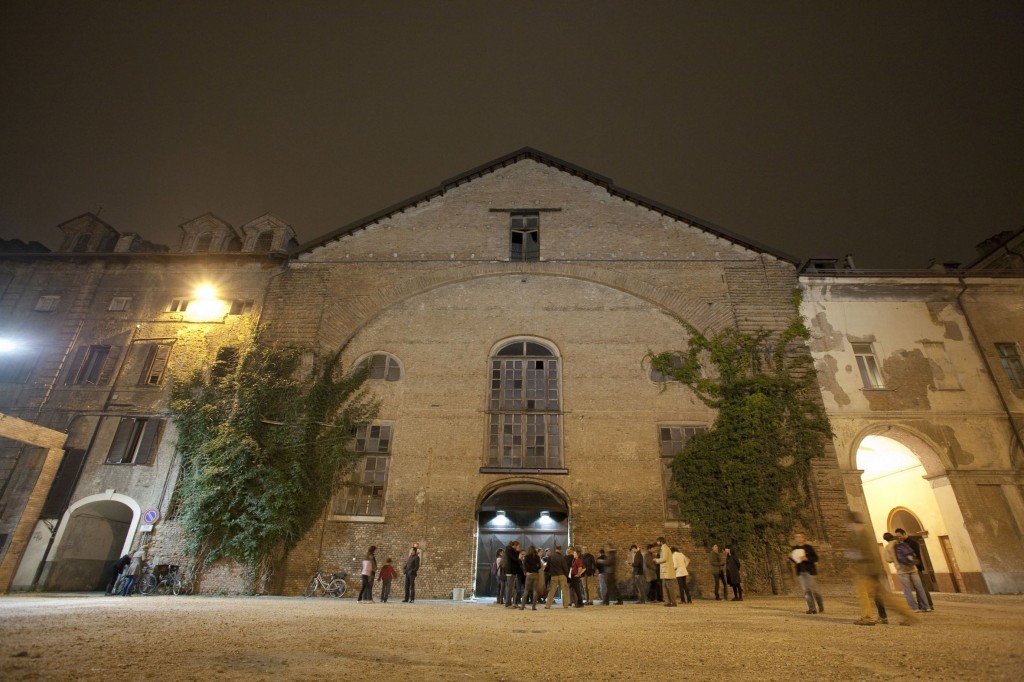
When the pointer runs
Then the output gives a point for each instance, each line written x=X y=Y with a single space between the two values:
x=680 y=562
x=412 y=567
x=369 y=570
x=558 y=570
x=387 y=574
x=716 y=558
x=639 y=579
x=806 y=559
x=862 y=557
x=732 y=573
x=606 y=563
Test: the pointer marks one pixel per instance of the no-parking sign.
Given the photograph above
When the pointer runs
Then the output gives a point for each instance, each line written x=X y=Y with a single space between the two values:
x=150 y=516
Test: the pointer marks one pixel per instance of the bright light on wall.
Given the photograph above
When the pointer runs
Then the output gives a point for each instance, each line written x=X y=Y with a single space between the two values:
x=206 y=307
x=8 y=345
x=206 y=292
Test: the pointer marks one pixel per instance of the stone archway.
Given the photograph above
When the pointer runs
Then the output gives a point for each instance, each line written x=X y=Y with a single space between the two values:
x=530 y=512
x=95 y=531
x=905 y=484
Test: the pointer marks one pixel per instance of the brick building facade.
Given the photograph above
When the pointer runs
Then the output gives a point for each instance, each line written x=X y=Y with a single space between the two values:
x=506 y=315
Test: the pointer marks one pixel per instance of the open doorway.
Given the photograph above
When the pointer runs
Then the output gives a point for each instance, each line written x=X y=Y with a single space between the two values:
x=527 y=512
x=900 y=492
x=93 y=539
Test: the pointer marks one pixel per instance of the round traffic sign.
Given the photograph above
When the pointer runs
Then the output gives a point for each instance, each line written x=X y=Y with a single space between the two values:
x=150 y=516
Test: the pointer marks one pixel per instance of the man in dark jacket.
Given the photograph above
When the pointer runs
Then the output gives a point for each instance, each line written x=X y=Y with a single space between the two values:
x=513 y=574
x=590 y=577
x=639 y=580
x=412 y=566
x=901 y=535
x=115 y=572
x=558 y=569
x=805 y=558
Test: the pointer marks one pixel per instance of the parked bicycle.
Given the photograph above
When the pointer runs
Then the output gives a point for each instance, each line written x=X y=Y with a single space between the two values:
x=327 y=584
x=162 y=579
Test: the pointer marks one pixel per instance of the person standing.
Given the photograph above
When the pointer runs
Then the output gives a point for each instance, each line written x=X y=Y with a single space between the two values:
x=590 y=577
x=717 y=560
x=387 y=574
x=133 y=572
x=806 y=559
x=369 y=570
x=651 y=573
x=915 y=546
x=577 y=570
x=412 y=567
x=680 y=562
x=558 y=569
x=498 y=570
x=639 y=579
x=531 y=567
x=513 y=568
x=732 y=573
x=667 y=571
x=606 y=563
x=900 y=553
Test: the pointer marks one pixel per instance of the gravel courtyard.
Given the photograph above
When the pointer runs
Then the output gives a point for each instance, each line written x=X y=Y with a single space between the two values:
x=91 y=637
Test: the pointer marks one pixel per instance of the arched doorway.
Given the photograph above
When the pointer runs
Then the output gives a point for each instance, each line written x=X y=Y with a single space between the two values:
x=899 y=474
x=528 y=512
x=92 y=538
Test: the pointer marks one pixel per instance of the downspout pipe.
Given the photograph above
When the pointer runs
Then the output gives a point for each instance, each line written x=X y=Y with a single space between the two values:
x=1014 y=429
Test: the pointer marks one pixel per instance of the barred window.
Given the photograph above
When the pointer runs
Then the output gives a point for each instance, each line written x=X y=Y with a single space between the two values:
x=361 y=492
x=524 y=420
x=672 y=439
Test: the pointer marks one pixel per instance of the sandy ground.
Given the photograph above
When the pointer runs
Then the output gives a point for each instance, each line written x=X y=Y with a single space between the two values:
x=91 y=637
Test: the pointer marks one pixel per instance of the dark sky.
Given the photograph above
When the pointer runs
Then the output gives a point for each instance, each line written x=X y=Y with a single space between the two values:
x=892 y=130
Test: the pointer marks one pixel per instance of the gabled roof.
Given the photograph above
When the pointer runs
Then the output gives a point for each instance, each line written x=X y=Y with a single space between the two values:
x=548 y=160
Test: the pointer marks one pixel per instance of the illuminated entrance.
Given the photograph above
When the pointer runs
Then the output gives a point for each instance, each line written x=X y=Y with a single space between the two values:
x=530 y=513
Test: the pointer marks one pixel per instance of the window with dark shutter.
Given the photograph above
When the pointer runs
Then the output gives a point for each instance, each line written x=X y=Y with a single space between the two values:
x=156 y=364
x=134 y=440
x=92 y=365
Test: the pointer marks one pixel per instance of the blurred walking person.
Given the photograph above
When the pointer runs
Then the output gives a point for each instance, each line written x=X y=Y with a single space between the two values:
x=867 y=573
x=806 y=559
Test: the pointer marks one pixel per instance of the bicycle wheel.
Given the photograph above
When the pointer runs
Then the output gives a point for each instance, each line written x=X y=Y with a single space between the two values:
x=314 y=587
x=337 y=588
x=175 y=585
x=147 y=584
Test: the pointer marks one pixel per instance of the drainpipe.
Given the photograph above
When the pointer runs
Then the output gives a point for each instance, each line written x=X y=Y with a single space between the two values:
x=1014 y=429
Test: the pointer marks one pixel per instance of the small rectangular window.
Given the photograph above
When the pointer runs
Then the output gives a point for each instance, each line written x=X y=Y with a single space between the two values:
x=241 y=307
x=47 y=304
x=1009 y=358
x=119 y=304
x=525 y=236
x=868 y=365
x=134 y=441
x=178 y=305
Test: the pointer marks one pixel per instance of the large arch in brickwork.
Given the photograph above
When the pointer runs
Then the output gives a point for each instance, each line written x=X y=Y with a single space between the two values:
x=27 y=432
x=348 y=314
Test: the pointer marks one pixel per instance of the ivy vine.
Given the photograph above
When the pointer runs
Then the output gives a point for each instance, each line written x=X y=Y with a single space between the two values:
x=262 y=443
x=746 y=481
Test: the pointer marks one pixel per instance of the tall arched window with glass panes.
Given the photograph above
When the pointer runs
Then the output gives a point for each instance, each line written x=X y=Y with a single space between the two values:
x=524 y=411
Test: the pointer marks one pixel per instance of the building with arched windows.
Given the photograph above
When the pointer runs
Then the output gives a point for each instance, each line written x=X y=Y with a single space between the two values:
x=504 y=316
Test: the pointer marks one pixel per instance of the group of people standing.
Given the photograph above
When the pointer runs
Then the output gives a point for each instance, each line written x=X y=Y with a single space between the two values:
x=660 y=573
x=531 y=576
x=387 y=574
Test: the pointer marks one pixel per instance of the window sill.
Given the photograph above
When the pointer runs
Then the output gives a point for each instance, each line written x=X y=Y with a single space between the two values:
x=522 y=470
x=357 y=519
x=879 y=389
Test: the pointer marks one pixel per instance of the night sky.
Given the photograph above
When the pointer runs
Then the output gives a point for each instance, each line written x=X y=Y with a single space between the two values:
x=890 y=130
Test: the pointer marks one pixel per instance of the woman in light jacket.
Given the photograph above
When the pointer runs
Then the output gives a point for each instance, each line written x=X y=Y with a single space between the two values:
x=369 y=570
x=680 y=561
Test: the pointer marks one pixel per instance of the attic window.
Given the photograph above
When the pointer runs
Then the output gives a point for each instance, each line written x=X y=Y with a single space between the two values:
x=525 y=236
x=203 y=242
x=264 y=241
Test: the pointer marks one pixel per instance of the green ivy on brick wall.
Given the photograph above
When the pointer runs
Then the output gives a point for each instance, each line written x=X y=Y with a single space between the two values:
x=263 y=440
x=746 y=481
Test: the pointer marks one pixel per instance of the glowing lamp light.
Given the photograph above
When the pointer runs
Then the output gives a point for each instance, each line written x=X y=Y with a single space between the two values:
x=8 y=345
x=206 y=307
x=500 y=518
x=545 y=518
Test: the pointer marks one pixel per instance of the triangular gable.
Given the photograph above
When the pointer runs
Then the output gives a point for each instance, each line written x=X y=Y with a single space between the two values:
x=546 y=159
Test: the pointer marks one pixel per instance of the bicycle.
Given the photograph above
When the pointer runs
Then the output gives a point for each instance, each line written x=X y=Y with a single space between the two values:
x=162 y=579
x=327 y=584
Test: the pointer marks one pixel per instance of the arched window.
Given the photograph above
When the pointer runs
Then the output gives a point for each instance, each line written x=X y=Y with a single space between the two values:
x=524 y=410
x=264 y=241
x=383 y=367
x=203 y=242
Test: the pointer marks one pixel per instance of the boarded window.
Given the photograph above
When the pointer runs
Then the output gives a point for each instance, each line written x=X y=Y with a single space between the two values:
x=227 y=360
x=943 y=373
